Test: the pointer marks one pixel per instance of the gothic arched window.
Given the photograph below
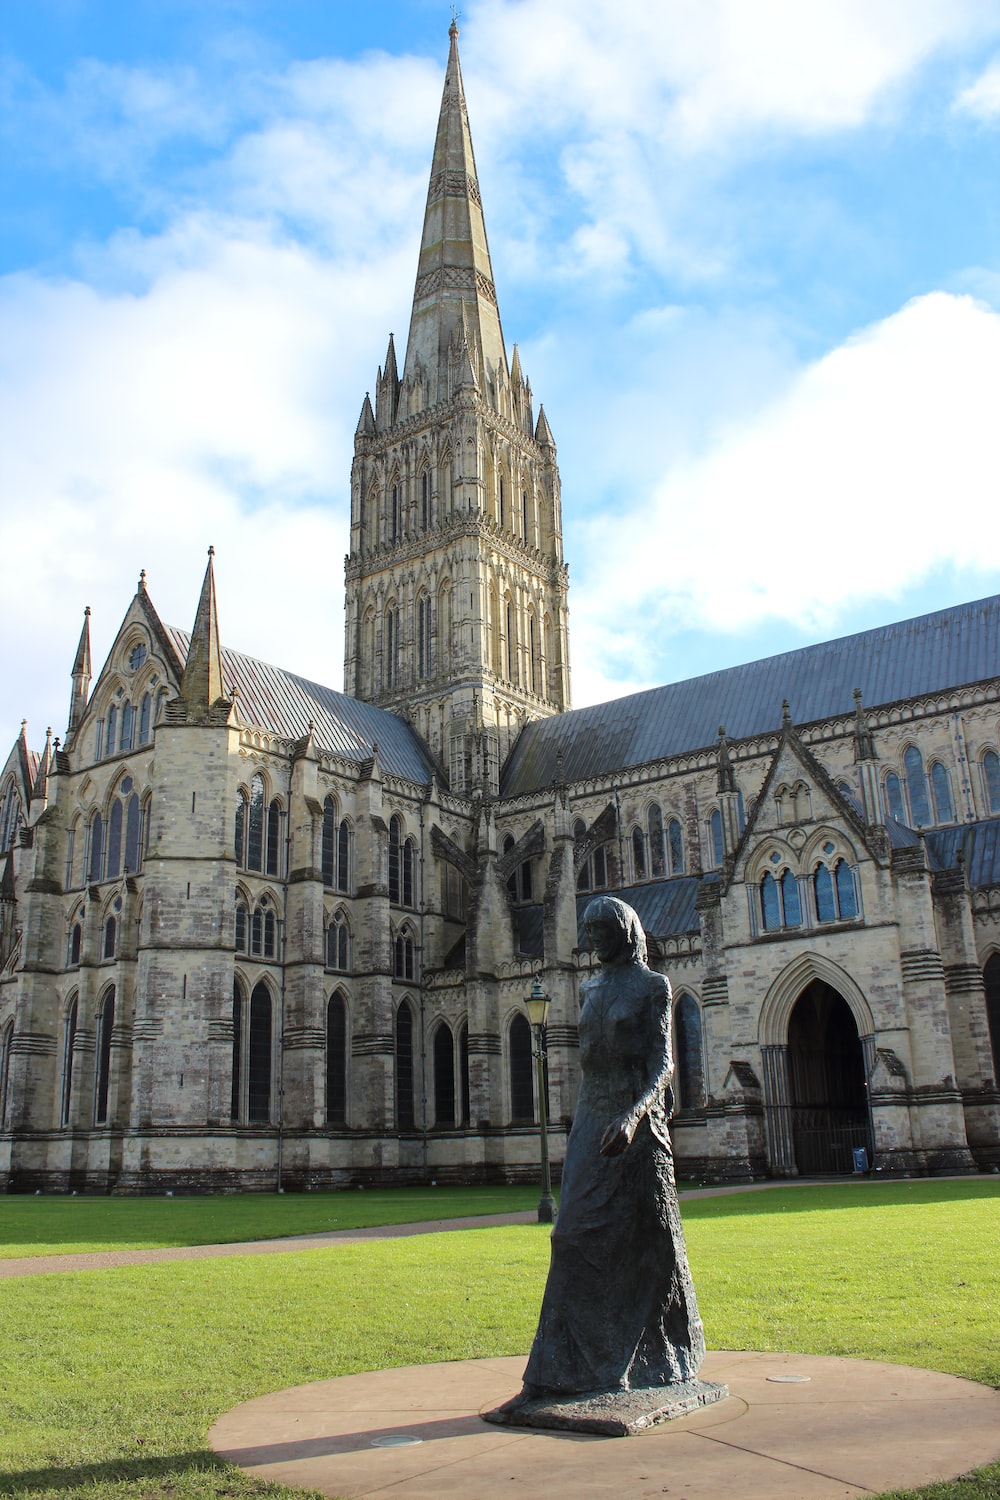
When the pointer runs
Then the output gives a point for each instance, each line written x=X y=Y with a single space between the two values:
x=675 y=843
x=779 y=901
x=128 y=725
x=255 y=825
x=105 y=1027
x=941 y=788
x=338 y=943
x=328 y=842
x=916 y=787
x=425 y=500
x=894 y=797
x=444 y=1076
x=75 y=942
x=95 y=862
x=259 y=1060
x=6 y=1038
x=263 y=930
x=424 y=636
x=717 y=841
x=124 y=817
x=252 y=1050
x=336 y=1059
x=638 y=854
x=395 y=858
x=405 y=1116
x=690 y=1076
x=654 y=827
x=403 y=967
x=273 y=843
x=991 y=780
x=344 y=856
x=242 y=933
x=145 y=716
x=69 y=1043
x=522 y=1094
x=391 y=645
x=991 y=980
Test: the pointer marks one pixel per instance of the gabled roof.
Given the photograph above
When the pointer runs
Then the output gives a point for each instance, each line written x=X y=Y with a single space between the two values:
x=284 y=703
x=903 y=660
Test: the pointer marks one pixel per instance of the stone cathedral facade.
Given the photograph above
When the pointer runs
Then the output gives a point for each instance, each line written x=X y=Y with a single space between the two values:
x=256 y=932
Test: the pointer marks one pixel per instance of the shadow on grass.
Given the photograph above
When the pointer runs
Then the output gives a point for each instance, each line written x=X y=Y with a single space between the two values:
x=828 y=1197
x=65 y=1479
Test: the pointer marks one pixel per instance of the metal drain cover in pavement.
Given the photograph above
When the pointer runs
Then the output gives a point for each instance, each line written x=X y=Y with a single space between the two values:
x=395 y=1440
x=789 y=1379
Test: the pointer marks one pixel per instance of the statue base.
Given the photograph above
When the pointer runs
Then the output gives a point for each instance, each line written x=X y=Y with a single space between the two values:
x=609 y=1413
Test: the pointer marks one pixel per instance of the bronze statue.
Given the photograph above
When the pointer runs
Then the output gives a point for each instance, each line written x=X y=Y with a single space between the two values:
x=619 y=1314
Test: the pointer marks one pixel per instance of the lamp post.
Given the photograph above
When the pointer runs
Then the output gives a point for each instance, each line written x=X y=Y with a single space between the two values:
x=537 y=1006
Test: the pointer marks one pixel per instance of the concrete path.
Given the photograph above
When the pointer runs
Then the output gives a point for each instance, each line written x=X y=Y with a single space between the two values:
x=794 y=1427
x=103 y=1260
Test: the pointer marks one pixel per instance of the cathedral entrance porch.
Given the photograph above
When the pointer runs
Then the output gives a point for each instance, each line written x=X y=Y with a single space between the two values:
x=828 y=1105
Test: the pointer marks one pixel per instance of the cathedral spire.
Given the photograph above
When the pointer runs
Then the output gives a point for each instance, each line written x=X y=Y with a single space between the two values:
x=454 y=274
x=202 y=684
x=81 y=675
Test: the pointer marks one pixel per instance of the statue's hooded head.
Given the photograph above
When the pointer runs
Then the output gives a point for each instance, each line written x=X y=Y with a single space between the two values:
x=626 y=941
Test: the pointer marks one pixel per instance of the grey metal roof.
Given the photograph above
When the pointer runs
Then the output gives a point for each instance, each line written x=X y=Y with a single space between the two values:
x=664 y=907
x=284 y=703
x=979 y=845
x=903 y=660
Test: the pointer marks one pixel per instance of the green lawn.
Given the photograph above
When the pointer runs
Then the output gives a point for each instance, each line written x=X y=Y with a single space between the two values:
x=111 y=1379
x=64 y=1225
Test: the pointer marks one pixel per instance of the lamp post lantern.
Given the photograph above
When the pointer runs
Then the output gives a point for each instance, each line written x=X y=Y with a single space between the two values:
x=537 y=1006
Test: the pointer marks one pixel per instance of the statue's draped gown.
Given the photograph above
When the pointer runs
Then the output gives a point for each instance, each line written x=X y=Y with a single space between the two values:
x=619 y=1310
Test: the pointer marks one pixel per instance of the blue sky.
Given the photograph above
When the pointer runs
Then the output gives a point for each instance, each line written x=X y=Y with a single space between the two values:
x=750 y=253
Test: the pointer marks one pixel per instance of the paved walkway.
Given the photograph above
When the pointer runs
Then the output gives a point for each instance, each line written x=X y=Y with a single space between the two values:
x=794 y=1427
x=103 y=1260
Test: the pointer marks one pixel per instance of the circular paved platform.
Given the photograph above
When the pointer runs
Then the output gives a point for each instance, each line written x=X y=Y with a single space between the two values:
x=795 y=1427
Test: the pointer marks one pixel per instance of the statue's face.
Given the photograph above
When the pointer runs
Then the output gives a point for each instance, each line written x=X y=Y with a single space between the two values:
x=605 y=939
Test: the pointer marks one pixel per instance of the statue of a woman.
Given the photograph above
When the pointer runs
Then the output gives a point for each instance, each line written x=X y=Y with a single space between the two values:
x=619 y=1312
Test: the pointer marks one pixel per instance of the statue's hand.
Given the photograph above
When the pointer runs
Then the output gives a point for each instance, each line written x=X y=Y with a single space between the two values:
x=618 y=1136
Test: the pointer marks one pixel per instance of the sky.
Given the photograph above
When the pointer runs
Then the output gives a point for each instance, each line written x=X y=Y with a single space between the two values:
x=750 y=254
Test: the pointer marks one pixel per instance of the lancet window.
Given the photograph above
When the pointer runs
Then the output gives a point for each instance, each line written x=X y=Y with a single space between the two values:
x=336 y=1059
x=402 y=859
x=779 y=901
x=834 y=890
x=991 y=780
x=105 y=1029
x=252 y=1054
x=405 y=1113
x=444 y=1076
x=338 y=943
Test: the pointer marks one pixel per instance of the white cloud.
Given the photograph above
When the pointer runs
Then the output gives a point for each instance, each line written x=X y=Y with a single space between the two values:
x=982 y=98
x=876 y=466
x=653 y=107
x=217 y=406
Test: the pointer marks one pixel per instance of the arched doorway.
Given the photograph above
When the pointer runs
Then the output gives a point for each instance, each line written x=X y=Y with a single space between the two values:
x=826 y=1083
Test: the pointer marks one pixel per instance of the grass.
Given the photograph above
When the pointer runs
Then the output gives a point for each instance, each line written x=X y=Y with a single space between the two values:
x=65 y=1225
x=110 y=1379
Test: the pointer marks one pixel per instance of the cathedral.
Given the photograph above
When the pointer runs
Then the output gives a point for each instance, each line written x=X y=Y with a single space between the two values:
x=257 y=933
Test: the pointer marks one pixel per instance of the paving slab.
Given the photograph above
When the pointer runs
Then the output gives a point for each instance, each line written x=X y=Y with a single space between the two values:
x=794 y=1427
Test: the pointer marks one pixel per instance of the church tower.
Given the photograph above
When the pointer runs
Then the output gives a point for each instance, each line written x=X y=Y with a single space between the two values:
x=456 y=585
